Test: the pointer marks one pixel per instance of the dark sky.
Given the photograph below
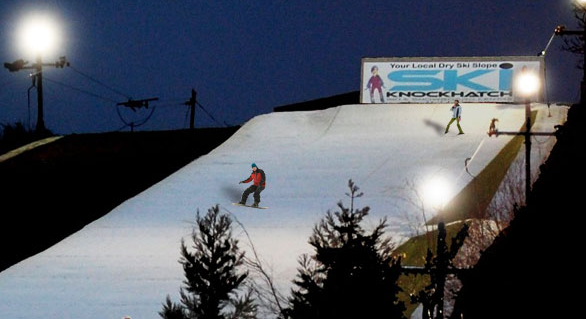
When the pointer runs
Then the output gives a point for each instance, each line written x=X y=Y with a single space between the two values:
x=246 y=57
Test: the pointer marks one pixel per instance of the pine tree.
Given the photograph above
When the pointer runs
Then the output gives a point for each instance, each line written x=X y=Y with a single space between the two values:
x=577 y=45
x=172 y=310
x=352 y=274
x=212 y=279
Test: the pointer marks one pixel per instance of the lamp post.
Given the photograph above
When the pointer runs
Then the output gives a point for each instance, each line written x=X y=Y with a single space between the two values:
x=40 y=109
x=38 y=36
x=527 y=84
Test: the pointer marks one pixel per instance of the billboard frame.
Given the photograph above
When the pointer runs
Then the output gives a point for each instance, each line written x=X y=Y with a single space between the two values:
x=539 y=96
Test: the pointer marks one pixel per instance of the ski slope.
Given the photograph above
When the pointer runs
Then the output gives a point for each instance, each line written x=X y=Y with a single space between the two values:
x=127 y=262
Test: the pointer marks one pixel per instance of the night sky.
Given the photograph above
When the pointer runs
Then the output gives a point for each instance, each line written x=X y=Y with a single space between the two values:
x=246 y=57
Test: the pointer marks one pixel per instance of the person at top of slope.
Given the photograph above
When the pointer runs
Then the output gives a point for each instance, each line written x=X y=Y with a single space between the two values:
x=259 y=183
x=456 y=116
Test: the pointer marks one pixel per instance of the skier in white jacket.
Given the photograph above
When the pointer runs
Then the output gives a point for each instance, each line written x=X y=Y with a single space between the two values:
x=456 y=116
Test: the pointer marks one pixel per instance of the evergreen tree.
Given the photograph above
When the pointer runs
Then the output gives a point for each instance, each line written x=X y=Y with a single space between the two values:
x=352 y=274
x=577 y=45
x=172 y=310
x=212 y=280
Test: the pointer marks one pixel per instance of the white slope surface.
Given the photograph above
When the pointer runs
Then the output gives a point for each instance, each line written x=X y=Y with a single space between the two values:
x=127 y=262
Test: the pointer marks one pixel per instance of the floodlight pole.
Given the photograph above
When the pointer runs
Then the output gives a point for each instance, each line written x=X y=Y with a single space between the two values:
x=527 y=150
x=38 y=76
x=527 y=134
x=40 y=113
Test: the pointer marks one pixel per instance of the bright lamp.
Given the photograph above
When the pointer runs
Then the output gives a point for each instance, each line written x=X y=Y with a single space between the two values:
x=38 y=35
x=436 y=192
x=527 y=83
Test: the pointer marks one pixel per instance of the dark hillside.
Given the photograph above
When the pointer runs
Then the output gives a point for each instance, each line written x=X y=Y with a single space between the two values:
x=54 y=190
x=534 y=268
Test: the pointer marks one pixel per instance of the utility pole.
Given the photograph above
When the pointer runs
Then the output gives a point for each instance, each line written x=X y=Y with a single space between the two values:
x=40 y=108
x=38 y=67
x=438 y=267
x=527 y=134
x=192 y=102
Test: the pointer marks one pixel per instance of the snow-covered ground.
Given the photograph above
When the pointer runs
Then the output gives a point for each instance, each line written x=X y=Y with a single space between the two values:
x=126 y=262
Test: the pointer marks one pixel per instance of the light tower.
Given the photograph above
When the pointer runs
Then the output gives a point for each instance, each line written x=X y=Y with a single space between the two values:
x=38 y=35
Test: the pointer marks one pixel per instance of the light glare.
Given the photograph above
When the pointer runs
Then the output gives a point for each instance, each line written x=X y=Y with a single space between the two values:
x=436 y=192
x=527 y=84
x=38 y=35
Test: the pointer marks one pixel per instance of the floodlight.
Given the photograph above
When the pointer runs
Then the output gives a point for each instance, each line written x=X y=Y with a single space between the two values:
x=527 y=83
x=38 y=35
x=436 y=192
x=16 y=65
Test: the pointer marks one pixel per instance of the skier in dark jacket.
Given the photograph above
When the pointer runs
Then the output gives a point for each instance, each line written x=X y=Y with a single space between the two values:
x=259 y=184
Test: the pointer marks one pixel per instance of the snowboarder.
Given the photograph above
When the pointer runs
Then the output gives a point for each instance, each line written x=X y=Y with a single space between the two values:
x=375 y=83
x=456 y=116
x=259 y=184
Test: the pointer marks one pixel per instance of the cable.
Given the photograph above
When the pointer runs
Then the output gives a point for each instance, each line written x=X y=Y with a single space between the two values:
x=28 y=95
x=548 y=44
x=169 y=104
x=79 y=90
x=121 y=128
x=131 y=124
x=8 y=86
x=208 y=113
x=186 y=116
x=541 y=142
x=331 y=123
x=470 y=159
x=99 y=82
x=3 y=84
x=172 y=101
x=147 y=118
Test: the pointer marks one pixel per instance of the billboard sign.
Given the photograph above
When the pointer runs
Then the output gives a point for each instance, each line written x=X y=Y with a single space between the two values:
x=443 y=80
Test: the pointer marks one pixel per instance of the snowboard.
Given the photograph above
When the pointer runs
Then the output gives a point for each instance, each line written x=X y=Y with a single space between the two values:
x=259 y=207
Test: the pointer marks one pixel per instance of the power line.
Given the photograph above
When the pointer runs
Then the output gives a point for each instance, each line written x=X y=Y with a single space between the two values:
x=133 y=124
x=79 y=90
x=2 y=84
x=174 y=102
x=210 y=115
x=186 y=117
x=169 y=104
x=99 y=82
x=121 y=128
x=7 y=86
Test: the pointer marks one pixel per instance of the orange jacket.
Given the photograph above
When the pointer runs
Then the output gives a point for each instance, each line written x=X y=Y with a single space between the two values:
x=258 y=177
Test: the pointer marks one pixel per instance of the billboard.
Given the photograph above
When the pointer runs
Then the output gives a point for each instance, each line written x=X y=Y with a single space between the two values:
x=443 y=80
